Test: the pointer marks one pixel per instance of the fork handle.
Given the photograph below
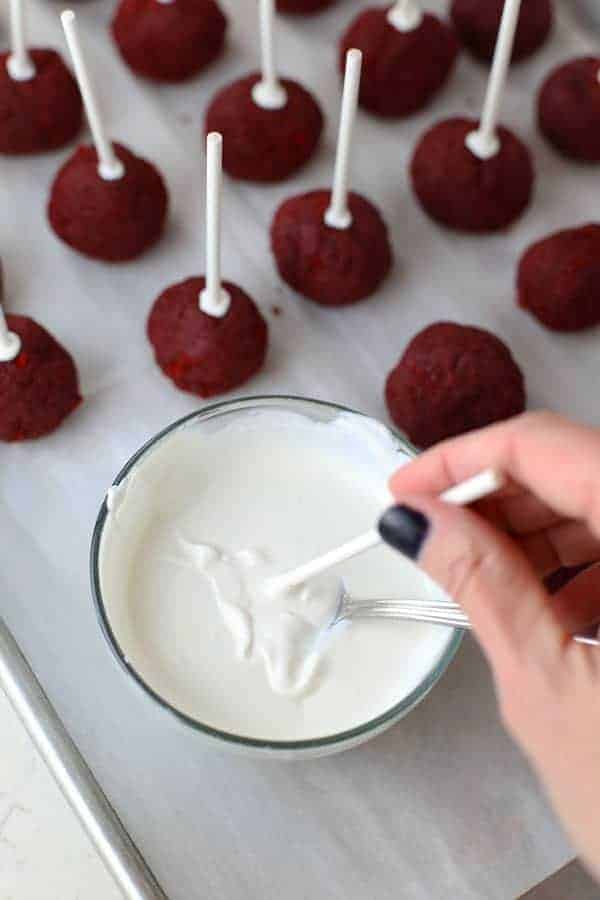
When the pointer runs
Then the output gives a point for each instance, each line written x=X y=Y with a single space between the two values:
x=451 y=615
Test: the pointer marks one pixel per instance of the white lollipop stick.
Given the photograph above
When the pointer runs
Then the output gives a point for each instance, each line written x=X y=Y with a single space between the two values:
x=214 y=301
x=405 y=15
x=484 y=142
x=110 y=167
x=268 y=92
x=475 y=488
x=19 y=64
x=10 y=343
x=338 y=215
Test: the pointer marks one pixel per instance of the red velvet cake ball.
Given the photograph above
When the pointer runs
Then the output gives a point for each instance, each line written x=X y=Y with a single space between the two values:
x=169 y=41
x=203 y=354
x=569 y=109
x=39 y=388
x=297 y=7
x=478 y=22
x=460 y=190
x=558 y=279
x=264 y=144
x=401 y=71
x=453 y=378
x=42 y=113
x=112 y=220
x=332 y=266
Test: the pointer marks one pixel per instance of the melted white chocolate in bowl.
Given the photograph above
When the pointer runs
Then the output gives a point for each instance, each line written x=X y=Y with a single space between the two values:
x=200 y=522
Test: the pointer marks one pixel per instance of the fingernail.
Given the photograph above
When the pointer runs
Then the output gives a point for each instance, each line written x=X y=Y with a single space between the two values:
x=405 y=529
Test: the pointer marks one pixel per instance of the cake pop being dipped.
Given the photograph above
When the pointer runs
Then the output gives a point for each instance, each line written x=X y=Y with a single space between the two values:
x=104 y=202
x=208 y=336
x=476 y=176
x=38 y=380
x=40 y=106
x=270 y=126
x=302 y=7
x=558 y=279
x=477 y=25
x=451 y=379
x=332 y=246
x=569 y=109
x=169 y=40
x=408 y=56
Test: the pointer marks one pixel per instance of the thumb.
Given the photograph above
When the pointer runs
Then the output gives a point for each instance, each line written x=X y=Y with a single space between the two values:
x=483 y=570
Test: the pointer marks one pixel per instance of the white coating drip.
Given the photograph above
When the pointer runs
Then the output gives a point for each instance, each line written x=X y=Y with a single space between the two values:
x=284 y=630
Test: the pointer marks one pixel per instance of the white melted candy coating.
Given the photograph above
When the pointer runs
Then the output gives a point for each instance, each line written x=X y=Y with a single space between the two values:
x=199 y=524
x=286 y=629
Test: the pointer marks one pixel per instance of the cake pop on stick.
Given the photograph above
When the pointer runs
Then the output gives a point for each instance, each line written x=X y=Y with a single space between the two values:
x=332 y=246
x=407 y=57
x=270 y=126
x=40 y=106
x=169 y=40
x=569 y=109
x=38 y=380
x=477 y=25
x=208 y=336
x=476 y=176
x=558 y=279
x=105 y=202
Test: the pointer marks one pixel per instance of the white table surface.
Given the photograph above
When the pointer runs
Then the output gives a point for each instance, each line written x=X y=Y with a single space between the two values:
x=444 y=798
x=44 y=854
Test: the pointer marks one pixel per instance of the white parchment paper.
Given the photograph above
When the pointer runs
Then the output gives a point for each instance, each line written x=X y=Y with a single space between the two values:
x=442 y=806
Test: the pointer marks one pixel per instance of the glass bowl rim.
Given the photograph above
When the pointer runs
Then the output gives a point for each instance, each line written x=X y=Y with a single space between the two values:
x=358 y=732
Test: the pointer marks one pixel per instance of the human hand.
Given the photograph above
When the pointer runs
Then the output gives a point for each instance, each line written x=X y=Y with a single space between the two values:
x=490 y=559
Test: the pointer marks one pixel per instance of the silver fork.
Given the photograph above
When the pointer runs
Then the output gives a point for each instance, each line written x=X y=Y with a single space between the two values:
x=437 y=613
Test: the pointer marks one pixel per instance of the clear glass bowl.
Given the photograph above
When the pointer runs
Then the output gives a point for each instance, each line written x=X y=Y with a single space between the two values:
x=333 y=743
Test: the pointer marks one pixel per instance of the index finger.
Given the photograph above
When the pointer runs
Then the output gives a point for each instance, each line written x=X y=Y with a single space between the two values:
x=556 y=459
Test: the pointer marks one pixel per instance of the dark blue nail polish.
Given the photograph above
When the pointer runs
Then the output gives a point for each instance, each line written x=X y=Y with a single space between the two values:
x=405 y=529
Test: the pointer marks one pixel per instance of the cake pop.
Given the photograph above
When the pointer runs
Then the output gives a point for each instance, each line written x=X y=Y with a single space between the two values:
x=407 y=57
x=297 y=7
x=38 y=380
x=105 y=201
x=476 y=176
x=451 y=379
x=569 y=108
x=169 y=40
x=208 y=337
x=270 y=127
x=558 y=279
x=40 y=106
x=477 y=25
x=332 y=246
